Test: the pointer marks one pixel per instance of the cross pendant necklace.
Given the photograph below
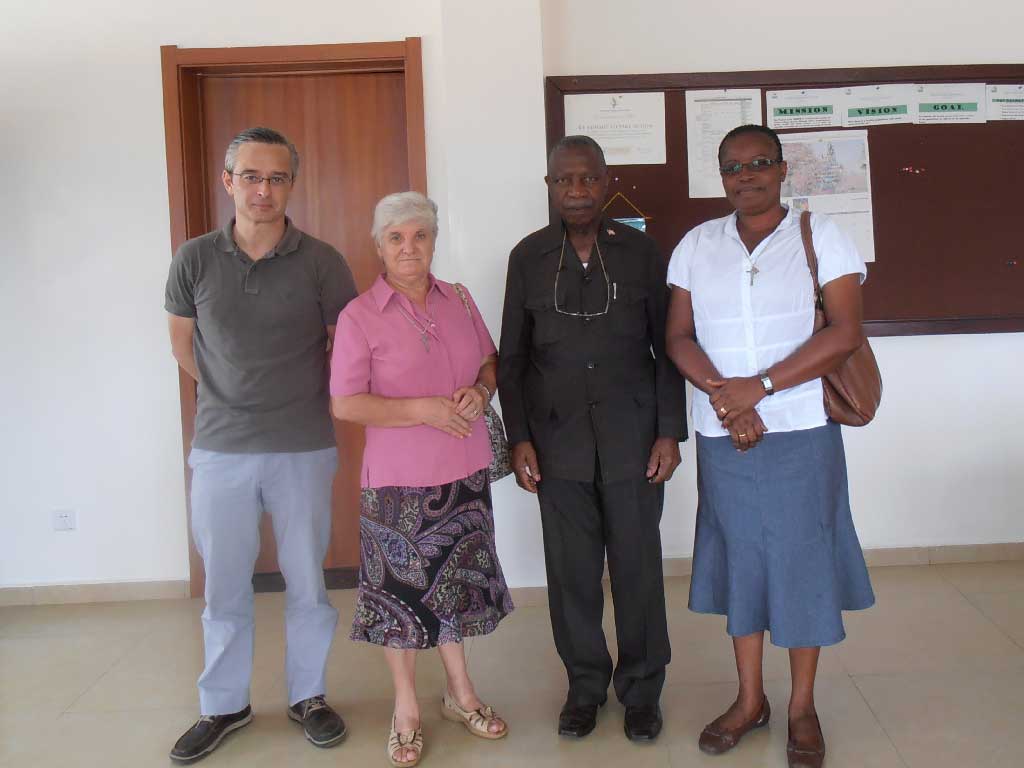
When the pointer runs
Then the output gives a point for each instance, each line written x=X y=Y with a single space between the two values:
x=753 y=271
x=753 y=267
x=423 y=329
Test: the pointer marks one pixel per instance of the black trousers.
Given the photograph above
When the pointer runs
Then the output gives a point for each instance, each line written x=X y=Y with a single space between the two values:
x=581 y=521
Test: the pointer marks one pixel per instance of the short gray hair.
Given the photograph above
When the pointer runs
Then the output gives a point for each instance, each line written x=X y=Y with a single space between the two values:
x=579 y=142
x=260 y=136
x=401 y=207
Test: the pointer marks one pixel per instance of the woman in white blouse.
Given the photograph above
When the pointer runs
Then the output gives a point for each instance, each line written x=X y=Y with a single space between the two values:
x=775 y=546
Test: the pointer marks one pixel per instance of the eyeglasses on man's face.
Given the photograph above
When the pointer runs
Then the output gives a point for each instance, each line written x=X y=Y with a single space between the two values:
x=254 y=179
x=754 y=166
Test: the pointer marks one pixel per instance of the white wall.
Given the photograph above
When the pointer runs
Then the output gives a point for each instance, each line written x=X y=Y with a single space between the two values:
x=941 y=463
x=90 y=403
x=607 y=37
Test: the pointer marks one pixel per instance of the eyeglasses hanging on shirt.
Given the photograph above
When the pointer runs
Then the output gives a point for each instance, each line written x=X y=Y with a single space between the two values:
x=611 y=289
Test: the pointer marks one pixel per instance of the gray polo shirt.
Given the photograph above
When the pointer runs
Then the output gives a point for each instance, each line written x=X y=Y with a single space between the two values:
x=260 y=340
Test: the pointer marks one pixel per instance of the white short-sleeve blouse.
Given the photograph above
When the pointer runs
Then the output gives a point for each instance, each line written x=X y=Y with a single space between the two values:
x=745 y=327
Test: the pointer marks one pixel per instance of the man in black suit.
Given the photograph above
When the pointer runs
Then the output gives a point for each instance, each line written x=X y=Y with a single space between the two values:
x=594 y=411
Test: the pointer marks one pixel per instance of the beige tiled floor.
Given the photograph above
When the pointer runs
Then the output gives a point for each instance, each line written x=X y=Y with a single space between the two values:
x=931 y=677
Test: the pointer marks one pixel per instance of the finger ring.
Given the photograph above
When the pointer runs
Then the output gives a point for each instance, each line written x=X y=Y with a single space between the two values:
x=722 y=410
x=741 y=434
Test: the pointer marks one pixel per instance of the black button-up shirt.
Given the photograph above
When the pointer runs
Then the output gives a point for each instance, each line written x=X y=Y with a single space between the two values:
x=586 y=387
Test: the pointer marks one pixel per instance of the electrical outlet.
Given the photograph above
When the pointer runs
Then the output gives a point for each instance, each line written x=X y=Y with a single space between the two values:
x=63 y=519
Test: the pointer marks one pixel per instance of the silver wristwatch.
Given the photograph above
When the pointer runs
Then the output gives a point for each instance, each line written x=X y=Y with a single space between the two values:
x=766 y=382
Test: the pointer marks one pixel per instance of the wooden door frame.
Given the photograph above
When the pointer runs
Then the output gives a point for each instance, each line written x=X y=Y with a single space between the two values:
x=181 y=69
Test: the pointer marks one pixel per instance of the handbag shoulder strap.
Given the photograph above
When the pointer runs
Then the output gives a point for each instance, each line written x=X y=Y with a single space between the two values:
x=812 y=257
x=460 y=289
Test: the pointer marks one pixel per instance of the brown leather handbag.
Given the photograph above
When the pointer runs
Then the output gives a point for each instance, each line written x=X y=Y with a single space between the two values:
x=853 y=391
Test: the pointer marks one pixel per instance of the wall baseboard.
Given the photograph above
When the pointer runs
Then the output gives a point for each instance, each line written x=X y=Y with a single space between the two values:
x=675 y=567
x=334 y=578
x=102 y=592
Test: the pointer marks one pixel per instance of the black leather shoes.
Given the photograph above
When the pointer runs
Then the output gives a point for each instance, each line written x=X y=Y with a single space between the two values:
x=642 y=723
x=206 y=735
x=577 y=720
x=322 y=725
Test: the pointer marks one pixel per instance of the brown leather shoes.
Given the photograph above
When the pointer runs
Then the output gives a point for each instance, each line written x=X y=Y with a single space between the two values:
x=715 y=740
x=808 y=751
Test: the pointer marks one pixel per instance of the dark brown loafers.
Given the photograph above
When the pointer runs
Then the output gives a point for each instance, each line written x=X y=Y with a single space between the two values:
x=808 y=749
x=207 y=734
x=715 y=740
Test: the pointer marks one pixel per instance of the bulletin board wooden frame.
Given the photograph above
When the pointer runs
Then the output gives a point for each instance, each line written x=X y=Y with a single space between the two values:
x=949 y=238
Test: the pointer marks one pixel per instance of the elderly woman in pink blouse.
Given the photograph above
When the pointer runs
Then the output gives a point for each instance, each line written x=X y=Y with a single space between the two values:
x=413 y=361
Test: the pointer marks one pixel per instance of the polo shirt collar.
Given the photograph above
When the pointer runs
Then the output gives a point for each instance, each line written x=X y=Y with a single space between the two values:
x=791 y=218
x=382 y=292
x=290 y=240
x=225 y=240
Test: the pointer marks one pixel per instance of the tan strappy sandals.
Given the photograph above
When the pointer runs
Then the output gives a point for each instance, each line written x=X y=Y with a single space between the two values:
x=412 y=740
x=477 y=721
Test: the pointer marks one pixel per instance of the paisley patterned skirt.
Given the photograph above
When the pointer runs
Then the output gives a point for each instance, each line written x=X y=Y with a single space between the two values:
x=428 y=570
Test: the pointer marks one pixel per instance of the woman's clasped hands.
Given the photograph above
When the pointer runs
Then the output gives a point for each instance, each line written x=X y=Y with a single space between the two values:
x=734 y=401
x=456 y=414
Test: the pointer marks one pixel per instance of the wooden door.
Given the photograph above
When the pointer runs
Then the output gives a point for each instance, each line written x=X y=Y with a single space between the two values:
x=351 y=125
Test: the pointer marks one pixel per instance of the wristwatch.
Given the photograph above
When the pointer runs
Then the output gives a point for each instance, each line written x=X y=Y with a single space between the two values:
x=766 y=382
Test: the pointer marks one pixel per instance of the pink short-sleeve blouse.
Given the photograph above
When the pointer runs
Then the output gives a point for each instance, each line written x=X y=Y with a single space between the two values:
x=379 y=350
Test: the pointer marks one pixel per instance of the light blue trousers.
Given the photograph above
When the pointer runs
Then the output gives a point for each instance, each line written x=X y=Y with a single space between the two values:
x=230 y=492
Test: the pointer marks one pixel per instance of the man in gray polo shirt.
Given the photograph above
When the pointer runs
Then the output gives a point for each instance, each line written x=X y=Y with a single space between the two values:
x=252 y=309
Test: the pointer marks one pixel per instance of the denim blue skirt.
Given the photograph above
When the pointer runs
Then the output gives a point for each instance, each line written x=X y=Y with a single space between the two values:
x=775 y=547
